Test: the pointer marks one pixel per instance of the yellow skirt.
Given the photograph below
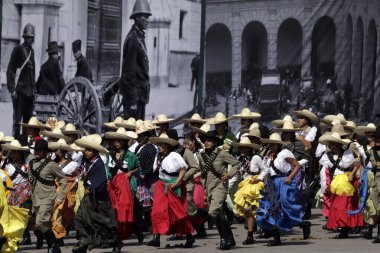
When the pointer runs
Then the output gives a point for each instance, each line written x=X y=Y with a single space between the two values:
x=341 y=186
x=247 y=197
x=79 y=195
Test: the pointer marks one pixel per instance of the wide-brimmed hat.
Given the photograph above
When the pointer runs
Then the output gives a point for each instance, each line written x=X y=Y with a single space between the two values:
x=142 y=128
x=162 y=119
x=351 y=125
x=203 y=129
x=14 y=146
x=33 y=123
x=4 y=138
x=274 y=138
x=128 y=124
x=163 y=138
x=247 y=114
x=112 y=124
x=369 y=128
x=287 y=128
x=92 y=141
x=52 y=47
x=328 y=119
x=212 y=135
x=338 y=128
x=252 y=126
x=56 y=133
x=53 y=122
x=307 y=114
x=219 y=118
x=149 y=124
x=245 y=142
x=254 y=132
x=75 y=147
x=61 y=144
x=196 y=118
x=121 y=134
x=280 y=122
x=333 y=137
x=71 y=129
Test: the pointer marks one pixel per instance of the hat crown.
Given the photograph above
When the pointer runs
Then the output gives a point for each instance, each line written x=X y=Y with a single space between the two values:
x=70 y=127
x=29 y=30
x=57 y=130
x=205 y=127
x=34 y=121
x=118 y=119
x=287 y=118
x=288 y=125
x=162 y=117
x=275 y=137
x=341 y=116
x=336 y=135
x=351 y=124
x=196 y=116
x=131 y=121
x=62 y=141
x=149 y=124
x=255 y=132
x=94 y=137
x=220 y=117
x=337 y=128
x=371 y=125
x=246 y=112
x=15 y=143
x=254 y=125
x=141 y=7
x=245 y=140
x=141 y=128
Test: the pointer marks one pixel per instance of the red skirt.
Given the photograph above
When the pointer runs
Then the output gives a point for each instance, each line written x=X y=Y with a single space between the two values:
x=199 y=193
x=169 y=211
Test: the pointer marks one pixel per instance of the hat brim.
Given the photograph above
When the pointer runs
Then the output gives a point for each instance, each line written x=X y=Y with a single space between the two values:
x=57 y=136
x=14 y=148
x=280 y=122
x=126 y=126
x=197 y=129
x=140 y=13
x=308 y=115
x=218 y=140
x=326 y=139
x=33 y=126
x=157 y=140
x=284 y=130
x=268 y=141
x=247 y=145
x=350 y=128
x=7 y=139
x=59 y=146
x=110 y=125
x=115 y=135
x=78 y=132
x=201 y=121
x=212 y=121
x=156 y=122
x=252 y=135
x=328 y=119
x=91 y=145
x=341 y=134
x=360 y=130
x=243 y=116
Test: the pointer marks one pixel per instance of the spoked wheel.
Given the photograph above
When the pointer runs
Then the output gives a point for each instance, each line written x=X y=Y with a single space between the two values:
x=116 y=107
x=79 y=104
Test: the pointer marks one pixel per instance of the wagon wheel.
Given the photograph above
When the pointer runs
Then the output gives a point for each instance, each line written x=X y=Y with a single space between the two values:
x=116 y=107
x=79 y=104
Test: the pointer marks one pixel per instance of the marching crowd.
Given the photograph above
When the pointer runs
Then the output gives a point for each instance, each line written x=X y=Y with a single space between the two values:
x=141 y=176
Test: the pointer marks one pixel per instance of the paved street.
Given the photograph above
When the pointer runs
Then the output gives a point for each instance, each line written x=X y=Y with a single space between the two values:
x=320 y=241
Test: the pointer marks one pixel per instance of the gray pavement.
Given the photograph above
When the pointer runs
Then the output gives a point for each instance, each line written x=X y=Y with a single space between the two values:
x=320 y=241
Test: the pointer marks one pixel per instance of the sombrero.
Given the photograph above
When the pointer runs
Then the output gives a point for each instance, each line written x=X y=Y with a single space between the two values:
x=351 y=125
x=14 y=146
x=53 y=122
x=92 y=141
x=245 y=142
x=339 y=129
x=287 y=128
x=4 y=138
x=162 y=119
x=252 y=126
x=142 y=128
x=163 y=138
x=149 y=124
x=334 y=137
x=112 y=124
x=247 y=114
x=196 y=118
x=274 y=138
x=362 y=130
x=254 y=132
x=280 y=122
x=128 y=124
x=212 y=135
x=122 y=134
x=56 y=133
x=203 y=129
x=60 y=144
x=75 y=147
x=71 y=129
x=33 y=123
x=307 y=114
x=328 y=119
x=219 y=118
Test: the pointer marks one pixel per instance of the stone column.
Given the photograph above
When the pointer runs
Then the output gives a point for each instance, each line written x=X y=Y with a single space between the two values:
x=306 y=49
x=376 y=108
x=236 y=33
x=341 y=62
x=272 y=39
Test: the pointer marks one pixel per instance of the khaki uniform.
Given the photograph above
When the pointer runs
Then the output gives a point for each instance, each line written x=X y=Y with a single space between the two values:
x=375 y=193
x=44 y=196
x=216 y=189
x=190 y=160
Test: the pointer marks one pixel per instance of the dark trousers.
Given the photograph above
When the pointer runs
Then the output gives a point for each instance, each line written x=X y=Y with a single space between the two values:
x=137 y=113
x=22 y=110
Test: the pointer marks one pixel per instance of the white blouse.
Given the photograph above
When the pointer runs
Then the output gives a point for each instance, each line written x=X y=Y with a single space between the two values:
x=70 y=168
x=280 y=163
x=347 y=160
x=10 y=169
x=171 y=164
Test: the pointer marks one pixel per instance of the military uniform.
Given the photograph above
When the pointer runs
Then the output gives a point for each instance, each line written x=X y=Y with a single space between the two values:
x=50 y=81
x=43 y=190
x=83 y=69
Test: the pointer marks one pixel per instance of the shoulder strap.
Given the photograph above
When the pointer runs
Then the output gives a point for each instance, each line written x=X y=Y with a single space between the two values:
x=209 y=160
x=36 y=173
x=334 y=162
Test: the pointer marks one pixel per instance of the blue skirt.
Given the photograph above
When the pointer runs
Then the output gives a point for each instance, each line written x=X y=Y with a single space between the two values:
x=280 y=206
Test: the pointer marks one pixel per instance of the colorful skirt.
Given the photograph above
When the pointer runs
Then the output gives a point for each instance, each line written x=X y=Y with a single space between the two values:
x=21 y=195
x=280 y=206
x=247 y=197
x=199 y=193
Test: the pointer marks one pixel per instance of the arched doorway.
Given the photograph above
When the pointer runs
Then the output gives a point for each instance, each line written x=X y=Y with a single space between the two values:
x=357 y=60
x=323 y=51
x=218 y=59
x=254 y=54
x=289 y=50
x=348 y=47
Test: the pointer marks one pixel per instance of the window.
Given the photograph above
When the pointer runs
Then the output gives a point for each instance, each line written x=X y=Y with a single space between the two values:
x=181 y=19
x=155 y=42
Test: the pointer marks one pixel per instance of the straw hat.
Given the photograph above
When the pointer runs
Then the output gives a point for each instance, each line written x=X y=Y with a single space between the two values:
x=219 y=118
x=287 y=128
x=362 y=130
x=164 y=138
x=254 y=132
x=196 y=118
x=351 y=125
x=252 y=126
x=334 y=137
x=307 y=114
x=122 y=134
x=162 y=119
x=128 y=124
x=92 y=141
x=247 y=114
x=71 y=129
x=14 y=146
x=60 y=144
x=149 y=124
x=203 y=129
x=33 y=123
x=280 y=122
x=328 y=119
x=75 y=147
x=56 y=133
x=338 y=128
x=56 y=124
x=112 y=124
x=4 y=138
x=274 y=138
x=245 y=142
x=142 y=128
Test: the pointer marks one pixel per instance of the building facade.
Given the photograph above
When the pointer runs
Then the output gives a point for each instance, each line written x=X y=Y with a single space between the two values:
x=325 y=39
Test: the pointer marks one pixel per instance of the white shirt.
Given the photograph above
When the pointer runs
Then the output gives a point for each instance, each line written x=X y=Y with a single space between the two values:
x=280 y=163
x=309 y=136
x=70 y=168
x=133 y=147
x=320 y=150
x=171 y=164
x=10 y=169
x=347 y=160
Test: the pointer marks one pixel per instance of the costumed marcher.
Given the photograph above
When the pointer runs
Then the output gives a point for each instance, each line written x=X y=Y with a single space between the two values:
x=50 y=81
x=162 y=123
x=3 y=140
x=33 y=131
x=55 y=134
x=130 y=125
x=21 y=82
x=195 y=120
x=342 y=184
x=63 y=214
x=95 y=221
x=247 y=118
x=74 y=134
x=134 y=82
x=214 y=163
x=123 y=172
x=43 y=172
x=169 y=214
x=249 y=193
x=83 y=68
x=112 y=125
x=280 y=207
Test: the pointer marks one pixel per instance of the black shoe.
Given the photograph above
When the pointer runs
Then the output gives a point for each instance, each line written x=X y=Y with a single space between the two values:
x=155 y=242
x=232 y=242
x=117 y=247
x=60 y=242
x=175 y=237
x=140 y=237
x=342 y=235
x=79 y=249
x=276 y=239
x=224 y=244
x=189 y=241
x=26 y=238
x=272 y=243
x=51 y=241
x=377 y=239
x=265 y=235
x=40 y=239
x=201 y=232
x=249 y=240
x=306 y=229
x=367 y=233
